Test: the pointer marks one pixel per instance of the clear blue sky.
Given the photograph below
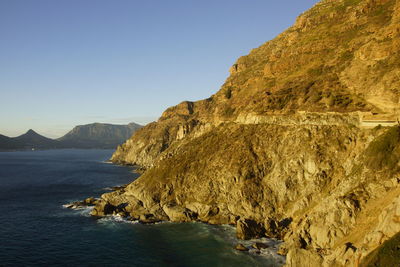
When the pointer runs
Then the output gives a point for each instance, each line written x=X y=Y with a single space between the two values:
x=70 y=62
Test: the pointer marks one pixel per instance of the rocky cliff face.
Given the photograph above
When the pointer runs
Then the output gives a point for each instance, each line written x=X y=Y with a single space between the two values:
x=279 y=150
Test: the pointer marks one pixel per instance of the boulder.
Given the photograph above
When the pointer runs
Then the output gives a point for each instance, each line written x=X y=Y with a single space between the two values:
x=259 y=245
x=148 y=218
x=255 y=251
x=241 y=247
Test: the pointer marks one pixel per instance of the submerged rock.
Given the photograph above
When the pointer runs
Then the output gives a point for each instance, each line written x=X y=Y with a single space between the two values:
x=69 y=206
x=259 y=245
x=241 y=247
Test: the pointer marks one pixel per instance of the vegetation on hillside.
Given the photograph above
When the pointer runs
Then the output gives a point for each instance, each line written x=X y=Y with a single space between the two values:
x=384 y=151
x=388 y=254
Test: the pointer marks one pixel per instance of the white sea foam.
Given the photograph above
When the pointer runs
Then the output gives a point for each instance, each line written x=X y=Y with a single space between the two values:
x=80 y=211
x=85 y=211
x=112 y=219
x=113 y=188
x=108 y=189
x=73 y=207
x=269 y=253
x=161 y=222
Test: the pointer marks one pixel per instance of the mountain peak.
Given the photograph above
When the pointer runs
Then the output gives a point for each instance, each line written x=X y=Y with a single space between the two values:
x=32 y=139
x=30 y=131
x=32 y=134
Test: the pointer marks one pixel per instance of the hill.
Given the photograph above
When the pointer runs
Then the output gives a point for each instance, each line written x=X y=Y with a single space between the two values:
x=285 y=148
x=7 y=143
x=32 y=139
x=27 y=141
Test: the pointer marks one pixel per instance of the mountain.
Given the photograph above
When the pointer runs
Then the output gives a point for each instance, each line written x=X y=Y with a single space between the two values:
x=31 y=139
x=288 y=147
x=7 y=143
x=28 y=140
x=98 y=135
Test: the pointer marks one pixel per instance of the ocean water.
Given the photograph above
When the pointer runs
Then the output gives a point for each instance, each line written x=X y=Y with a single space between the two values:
x=35 y=229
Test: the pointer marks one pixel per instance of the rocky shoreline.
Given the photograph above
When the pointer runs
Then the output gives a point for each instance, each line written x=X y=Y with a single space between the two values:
x=249 y=230
x=246 y=229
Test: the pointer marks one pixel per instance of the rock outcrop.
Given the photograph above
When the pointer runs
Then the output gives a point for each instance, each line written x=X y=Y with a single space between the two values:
x=279 y=150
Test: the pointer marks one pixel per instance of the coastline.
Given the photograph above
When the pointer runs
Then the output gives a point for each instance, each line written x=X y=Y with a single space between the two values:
x=264 y=247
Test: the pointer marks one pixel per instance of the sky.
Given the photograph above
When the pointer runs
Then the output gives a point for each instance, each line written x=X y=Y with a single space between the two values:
x=71 y=62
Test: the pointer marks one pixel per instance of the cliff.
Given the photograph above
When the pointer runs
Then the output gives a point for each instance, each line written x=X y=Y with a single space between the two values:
x=286 y=148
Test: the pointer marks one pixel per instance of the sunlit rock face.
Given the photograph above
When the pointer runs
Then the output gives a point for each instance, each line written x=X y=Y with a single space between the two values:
x=280 y=150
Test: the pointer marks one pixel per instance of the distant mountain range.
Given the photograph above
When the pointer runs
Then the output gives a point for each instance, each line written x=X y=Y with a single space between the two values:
x=95 y=135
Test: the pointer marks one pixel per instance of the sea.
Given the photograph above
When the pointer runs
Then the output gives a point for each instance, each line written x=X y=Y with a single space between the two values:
x=36 y=230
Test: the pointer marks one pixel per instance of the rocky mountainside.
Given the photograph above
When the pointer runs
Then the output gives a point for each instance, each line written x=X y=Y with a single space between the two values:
x=287 y=147
x=98 y=135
